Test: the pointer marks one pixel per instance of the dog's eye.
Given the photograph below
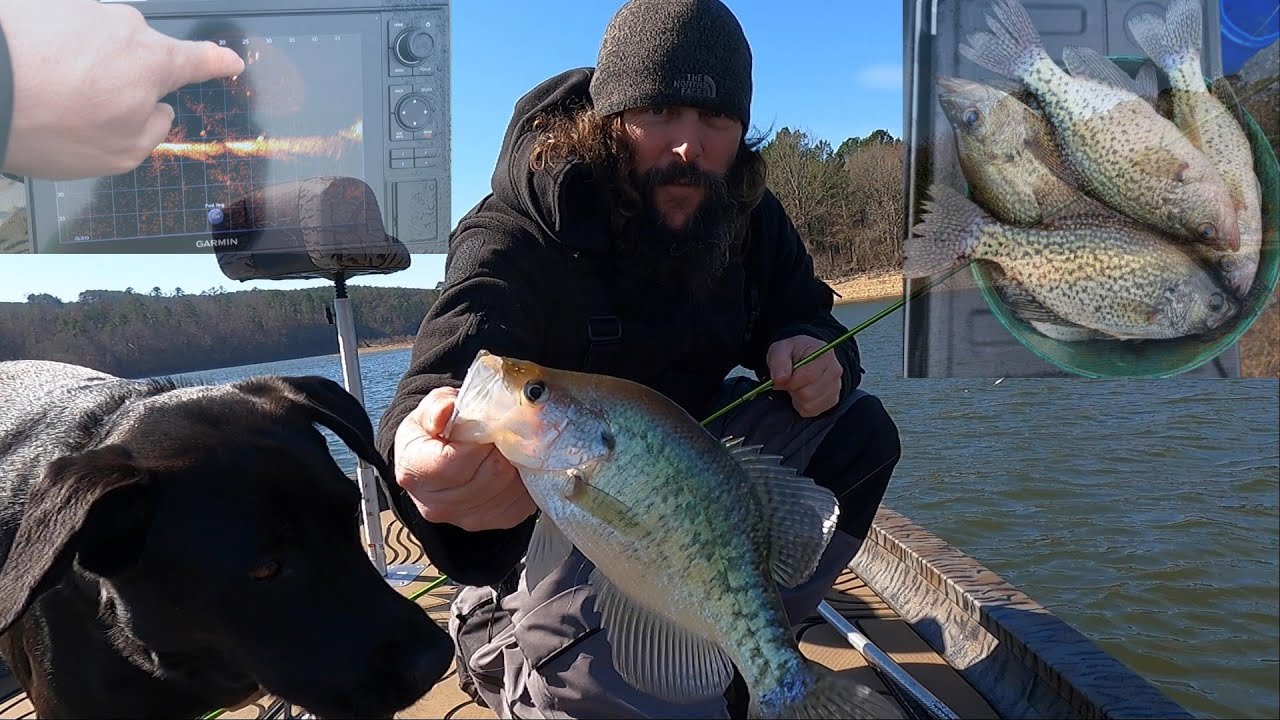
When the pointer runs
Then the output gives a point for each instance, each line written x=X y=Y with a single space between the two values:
x=266 y=570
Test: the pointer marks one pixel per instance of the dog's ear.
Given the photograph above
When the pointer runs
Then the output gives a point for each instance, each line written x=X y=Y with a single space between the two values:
x=96 y=503
x=324 y=402
x=329 y=404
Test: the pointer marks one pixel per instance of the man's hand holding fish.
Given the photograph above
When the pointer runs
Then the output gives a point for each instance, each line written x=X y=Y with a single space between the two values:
x=468 y=485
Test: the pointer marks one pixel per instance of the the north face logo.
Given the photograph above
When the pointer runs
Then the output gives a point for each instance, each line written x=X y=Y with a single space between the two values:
x=695 y=85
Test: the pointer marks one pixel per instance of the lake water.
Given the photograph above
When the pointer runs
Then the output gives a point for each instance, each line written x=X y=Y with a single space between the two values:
x=1144 y=513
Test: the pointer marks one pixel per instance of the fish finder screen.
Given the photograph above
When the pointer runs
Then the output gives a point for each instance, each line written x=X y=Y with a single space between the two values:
x=293 y=114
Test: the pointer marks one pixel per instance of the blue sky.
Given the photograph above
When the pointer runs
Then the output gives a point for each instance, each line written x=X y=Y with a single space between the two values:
x=830 y=67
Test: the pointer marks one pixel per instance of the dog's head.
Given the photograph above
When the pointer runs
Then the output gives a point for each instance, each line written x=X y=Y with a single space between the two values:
x=226 y=542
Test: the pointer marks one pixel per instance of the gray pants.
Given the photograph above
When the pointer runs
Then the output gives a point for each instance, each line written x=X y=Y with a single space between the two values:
x=539 y=652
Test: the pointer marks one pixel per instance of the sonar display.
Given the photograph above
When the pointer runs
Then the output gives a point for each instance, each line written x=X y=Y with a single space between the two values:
x=294 y=113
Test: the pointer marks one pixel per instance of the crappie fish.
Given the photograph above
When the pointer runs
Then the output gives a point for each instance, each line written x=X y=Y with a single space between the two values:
x=1173 y=42
x=995 y=133
x=1124 y=153
x=1031 y=311
x=687 y=533
x=1106 y=273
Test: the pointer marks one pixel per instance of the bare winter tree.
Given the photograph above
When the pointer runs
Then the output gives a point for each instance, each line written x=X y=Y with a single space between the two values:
x=846 y=204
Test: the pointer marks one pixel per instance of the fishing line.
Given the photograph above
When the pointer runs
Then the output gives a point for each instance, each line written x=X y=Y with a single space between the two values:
x=766 y=385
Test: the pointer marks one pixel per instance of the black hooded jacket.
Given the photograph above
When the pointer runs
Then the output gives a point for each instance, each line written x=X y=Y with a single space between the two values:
x=519 y=281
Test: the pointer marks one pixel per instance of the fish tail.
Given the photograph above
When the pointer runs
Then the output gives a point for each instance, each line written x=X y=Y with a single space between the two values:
x=949 y=233
x=823 y=693
x=1147 y=83
x=1012 y=46
x=1172 y=41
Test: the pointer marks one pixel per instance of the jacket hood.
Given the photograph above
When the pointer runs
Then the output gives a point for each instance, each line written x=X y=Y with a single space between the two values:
x=557 y=197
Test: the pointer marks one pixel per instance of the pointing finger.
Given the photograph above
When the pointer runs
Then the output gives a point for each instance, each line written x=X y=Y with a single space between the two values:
x=190 y=62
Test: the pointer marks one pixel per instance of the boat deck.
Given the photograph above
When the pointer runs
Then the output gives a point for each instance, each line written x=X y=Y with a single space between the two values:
x=849 y=596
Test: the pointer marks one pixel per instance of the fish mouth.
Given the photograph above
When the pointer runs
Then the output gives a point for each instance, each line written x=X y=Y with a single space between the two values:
x=480 y=395
x=952 y=85
x=489 y=411
x=956 y=95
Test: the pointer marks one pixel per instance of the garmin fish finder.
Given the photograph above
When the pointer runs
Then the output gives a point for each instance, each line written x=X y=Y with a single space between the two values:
x=348 y=89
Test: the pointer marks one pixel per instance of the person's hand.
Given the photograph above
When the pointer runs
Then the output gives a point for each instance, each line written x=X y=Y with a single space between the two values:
x=814 y=388
x=88 y=79
x=465 y=484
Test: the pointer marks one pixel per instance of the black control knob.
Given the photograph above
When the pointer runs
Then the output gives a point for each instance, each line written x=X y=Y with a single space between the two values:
x=413 y=112
x=414 y=46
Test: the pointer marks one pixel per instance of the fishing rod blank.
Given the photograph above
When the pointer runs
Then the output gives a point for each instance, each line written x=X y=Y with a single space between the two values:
x=881 y=661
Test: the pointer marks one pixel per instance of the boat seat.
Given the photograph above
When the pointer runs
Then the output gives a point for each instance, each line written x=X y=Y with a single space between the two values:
x=320 y=227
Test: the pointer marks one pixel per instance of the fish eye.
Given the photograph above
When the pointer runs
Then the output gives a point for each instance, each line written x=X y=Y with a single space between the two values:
x=1208 y=231
x=535 y=390
x=1227 y=263
x=1217 y=302
x=971 y=117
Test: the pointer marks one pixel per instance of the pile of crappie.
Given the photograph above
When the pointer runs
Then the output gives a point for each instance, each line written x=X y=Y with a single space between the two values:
x=1101 y=216
x=690 y=536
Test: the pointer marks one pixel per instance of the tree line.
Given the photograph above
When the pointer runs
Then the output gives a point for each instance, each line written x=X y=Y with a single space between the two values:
x=846 y=202
x=134 y=334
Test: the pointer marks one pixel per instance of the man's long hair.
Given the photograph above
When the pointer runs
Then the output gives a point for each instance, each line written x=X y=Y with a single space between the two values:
x=602 y=145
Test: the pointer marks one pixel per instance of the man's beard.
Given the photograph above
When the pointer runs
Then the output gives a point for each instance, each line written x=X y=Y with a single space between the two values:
x=664 y=262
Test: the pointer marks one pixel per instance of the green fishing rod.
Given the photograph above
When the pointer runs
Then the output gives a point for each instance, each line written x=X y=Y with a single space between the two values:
x=861 y=641
x=768 y=384
x=933 y=707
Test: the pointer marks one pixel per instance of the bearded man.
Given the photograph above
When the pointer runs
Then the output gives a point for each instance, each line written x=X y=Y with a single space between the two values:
x=629 y=232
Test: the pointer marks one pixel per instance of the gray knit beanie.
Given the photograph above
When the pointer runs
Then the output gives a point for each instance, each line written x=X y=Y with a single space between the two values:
x=674 y=52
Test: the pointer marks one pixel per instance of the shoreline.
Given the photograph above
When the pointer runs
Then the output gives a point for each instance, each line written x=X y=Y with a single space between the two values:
x=867 y=286
x=1258 y=357
x=401 y=345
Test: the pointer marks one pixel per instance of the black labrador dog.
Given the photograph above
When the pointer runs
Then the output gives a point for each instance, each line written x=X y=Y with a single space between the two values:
x=169 y=550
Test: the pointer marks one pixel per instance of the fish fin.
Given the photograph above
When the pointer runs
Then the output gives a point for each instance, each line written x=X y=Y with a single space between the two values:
x=1158 y=162
x=1147 y=312
x=1080 y=206
x=1020 y=300
x=1167 y=40
x=1009 y=86
x=1043 y=145
x=829 y=694
x=548 y=549
x=655 y=655
x=1183 y=25
x=1016 y=90
x=1012 y=45
x=1148 y=83
x=1033 y=312
x=949 y=233
x=801 y=514
x=602 y=506
x=1087 y=62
